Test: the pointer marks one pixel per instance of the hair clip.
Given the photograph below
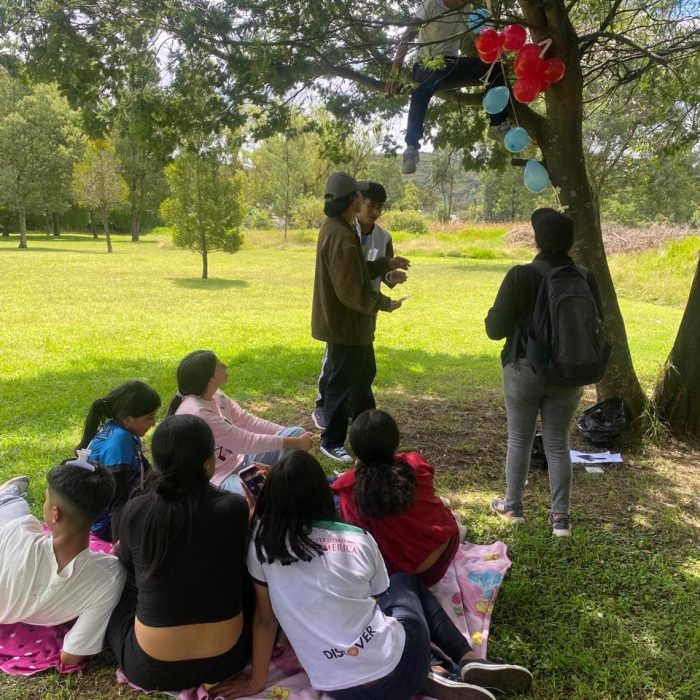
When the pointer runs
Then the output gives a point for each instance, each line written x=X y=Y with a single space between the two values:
x=82 y=460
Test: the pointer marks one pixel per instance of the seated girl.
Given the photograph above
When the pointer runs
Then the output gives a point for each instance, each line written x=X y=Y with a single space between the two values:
x=179 y=622
x=113 y=430
x=326 y=583
x=391 y=495
x=242 y=439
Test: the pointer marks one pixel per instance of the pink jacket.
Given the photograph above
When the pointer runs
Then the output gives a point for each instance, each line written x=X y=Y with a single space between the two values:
x=236 y=432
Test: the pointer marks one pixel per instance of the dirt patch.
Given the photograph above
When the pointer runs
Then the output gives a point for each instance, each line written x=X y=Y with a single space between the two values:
x=616 y=237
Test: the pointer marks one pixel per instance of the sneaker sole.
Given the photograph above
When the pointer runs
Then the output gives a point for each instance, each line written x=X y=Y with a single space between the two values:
x=562 y=533
x=333 y=457
x=506 y=678
x=444 y=689
x=515 y=519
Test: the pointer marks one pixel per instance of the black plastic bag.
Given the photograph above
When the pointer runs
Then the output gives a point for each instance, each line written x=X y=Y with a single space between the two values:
x=538 y=457
x=602 y=423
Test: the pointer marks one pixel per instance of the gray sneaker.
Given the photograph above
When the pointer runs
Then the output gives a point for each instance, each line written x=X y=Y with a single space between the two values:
x=497 y=132
x=319 y=418
x=411 y=158
x=21 y=483
x=561 y=525
x=506 y=678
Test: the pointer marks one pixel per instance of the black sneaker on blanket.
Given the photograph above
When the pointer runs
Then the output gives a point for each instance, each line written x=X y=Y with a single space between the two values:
x=506 y=678
x=447 y=686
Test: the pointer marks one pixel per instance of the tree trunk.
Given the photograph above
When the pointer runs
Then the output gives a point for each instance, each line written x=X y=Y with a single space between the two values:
x=676 y=396
x=56 y=224
x=135 y=225
x=93 y=228
x=23 y=229
x=5 y=229
x=560 y=138
x=105 y=225
x=48 y=224
x=205 y=256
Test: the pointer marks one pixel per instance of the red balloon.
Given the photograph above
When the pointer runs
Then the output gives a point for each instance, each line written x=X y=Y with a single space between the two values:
x=526 y=89
x=514 y=36
x=554 y=70
x=490 y=56
x=488 y=40
x=528 y=60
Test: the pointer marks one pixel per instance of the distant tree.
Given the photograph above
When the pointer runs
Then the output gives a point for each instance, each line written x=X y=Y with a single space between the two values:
x=97 y=184
x=39 y=142
x=204 y=206
x=386 y=170
x=410 y=199
x=445 y=165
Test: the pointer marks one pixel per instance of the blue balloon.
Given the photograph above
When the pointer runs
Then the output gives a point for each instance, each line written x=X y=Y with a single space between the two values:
x=477 y=20
x=496 y=99
x=516 y=139
x=536 y=177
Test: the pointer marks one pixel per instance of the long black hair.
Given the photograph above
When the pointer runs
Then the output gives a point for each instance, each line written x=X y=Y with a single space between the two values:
x=132 y=398
x=193 y=374
x=181 y=446
x=295 y=495
x=383 y=485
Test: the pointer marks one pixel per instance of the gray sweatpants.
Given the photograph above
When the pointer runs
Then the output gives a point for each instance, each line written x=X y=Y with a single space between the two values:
x=526 y=395
x=12 y=505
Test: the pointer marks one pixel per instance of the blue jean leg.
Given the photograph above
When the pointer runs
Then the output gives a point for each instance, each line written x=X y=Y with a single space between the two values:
x=467 y=70
x=12 y=505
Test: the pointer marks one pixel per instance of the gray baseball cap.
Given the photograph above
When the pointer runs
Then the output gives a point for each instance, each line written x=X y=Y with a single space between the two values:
x=341 y=184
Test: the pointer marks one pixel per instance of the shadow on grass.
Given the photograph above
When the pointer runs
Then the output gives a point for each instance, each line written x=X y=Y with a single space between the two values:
x=208 y=284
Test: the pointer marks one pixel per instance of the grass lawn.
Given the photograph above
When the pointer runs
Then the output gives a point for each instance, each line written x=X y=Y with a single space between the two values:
x=614 y=612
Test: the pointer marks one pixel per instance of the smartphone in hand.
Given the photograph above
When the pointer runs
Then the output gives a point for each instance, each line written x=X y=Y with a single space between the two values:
x=253 y=479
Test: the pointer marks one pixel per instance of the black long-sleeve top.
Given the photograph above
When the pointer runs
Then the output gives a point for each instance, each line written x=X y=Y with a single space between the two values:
x=515 y=302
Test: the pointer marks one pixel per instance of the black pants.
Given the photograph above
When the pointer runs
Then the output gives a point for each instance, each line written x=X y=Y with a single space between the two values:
x=351 y=370
x=153 y=674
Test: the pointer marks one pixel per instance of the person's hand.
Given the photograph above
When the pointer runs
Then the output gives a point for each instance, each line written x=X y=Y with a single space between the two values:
x=395 y=304
x=399 y=263
x=238 y=687
x=264 y=469
x=397 y=277
x=304 y=441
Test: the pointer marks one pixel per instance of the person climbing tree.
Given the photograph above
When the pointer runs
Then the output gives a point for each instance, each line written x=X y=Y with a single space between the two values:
x=440 y=26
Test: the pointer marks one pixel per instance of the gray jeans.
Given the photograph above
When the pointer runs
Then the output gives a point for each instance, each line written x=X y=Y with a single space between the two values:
x=526 y=395
x=12 y=505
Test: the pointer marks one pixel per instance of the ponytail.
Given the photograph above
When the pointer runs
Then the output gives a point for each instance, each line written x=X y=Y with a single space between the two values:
x=174 y=404
x=193 y=375
x=133 y=398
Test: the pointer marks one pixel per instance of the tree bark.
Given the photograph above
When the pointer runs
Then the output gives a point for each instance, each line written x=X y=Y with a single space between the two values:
x=48 y=224
x=105 y=225
x=135 y=225
x=56 y=224
x=93 y=228
x=560 y=138
x=205 y=256
x=23 y=229
x=676 y=396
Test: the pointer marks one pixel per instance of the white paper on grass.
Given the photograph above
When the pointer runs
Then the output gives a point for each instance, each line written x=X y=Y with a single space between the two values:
x=595 y=457
x=594 y=470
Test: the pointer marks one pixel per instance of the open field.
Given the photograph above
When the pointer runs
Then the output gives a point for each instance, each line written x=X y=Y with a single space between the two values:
x=612 y=613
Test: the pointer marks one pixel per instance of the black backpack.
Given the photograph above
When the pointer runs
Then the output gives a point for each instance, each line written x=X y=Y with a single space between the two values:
x=565 y=340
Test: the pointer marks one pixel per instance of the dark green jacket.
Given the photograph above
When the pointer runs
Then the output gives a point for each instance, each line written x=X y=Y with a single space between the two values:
x=344 y=302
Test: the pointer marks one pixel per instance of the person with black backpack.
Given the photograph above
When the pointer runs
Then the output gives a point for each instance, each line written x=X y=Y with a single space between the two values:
x=550 y=313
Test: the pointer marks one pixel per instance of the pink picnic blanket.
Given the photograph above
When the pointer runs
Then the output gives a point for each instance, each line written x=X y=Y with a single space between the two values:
x=467 y=592
x=29 y=649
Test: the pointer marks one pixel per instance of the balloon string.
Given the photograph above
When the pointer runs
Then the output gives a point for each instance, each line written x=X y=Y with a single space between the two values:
x=545 y=44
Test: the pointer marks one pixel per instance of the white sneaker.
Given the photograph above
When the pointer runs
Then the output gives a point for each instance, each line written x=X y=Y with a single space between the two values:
x=339 y=454
x=506 y=678
x=411 y=158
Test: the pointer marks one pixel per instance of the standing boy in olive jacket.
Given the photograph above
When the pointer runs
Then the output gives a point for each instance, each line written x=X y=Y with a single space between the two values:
x=344 y=304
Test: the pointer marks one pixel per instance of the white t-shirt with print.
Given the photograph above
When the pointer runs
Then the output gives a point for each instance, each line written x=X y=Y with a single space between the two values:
x=32 y=592
x=327 y=609
x=443 y=35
